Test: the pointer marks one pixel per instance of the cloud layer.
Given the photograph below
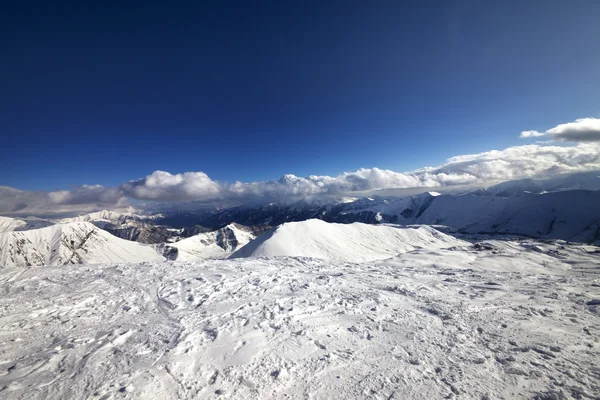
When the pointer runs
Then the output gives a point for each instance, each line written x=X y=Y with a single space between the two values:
x=535 y=161
x=581 y=130
x=85 y=198
x=482 y=169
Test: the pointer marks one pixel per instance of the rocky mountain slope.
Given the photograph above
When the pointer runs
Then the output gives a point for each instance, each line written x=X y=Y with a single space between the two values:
x=129 y=226
x=219 y=243
x=72 y=243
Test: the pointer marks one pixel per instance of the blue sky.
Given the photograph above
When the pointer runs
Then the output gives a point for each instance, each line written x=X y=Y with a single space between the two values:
x=105 y=93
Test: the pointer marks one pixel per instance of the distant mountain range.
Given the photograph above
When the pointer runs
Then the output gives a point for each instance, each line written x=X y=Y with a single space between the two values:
x=565 y=208
x=523 y=208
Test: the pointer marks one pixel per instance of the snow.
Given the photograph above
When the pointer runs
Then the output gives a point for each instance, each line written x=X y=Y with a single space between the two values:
x=10 y=224
x=72 y=243
x=310 y=309
x=572 y=215
x=104 y=215
x=344 y=242
x=426 y=324
x=206 y=245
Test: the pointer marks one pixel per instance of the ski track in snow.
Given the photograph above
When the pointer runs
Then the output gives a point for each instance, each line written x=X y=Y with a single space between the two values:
x=300 y=328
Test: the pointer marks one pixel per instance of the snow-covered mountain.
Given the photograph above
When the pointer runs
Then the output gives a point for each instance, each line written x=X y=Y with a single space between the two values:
x=216 y=244
x=8 y=224
x=344 y=242
x=71 y=243
x=579 y=181
x=570 y=215
x=104 y=215
x=130 y=226
x=518 y=207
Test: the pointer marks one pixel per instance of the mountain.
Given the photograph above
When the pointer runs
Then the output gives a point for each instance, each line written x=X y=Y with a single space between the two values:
x=344 y=242
x=8 y=224
x=568 y=212
x=129 y=226
x=571 y=215
x=193 y=230
x=216 y=244
x=104 y=215
x=553 y=208
x=578 y=181
x=71 y=243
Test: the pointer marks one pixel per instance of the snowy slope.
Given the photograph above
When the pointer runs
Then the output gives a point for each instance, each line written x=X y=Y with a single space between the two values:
x=8 y=224
x=73 y=243
x=216 y=244
x=128 y=225
x=570 y=215
x=104 y=215
x=406 y=208
x=440 y=325
x=578 y=181
x=341 y=242
x=466 y=211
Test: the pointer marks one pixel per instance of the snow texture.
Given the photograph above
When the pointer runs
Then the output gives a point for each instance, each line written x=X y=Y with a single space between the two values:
x=498 y=319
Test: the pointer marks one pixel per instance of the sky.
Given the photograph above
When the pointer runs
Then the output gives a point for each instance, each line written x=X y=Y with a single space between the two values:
x=203 y=96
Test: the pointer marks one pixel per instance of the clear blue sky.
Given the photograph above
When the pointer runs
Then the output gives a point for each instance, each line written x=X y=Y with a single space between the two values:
x=104 y=93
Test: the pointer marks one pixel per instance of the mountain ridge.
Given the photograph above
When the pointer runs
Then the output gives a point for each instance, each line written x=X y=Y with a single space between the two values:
x=70 y=243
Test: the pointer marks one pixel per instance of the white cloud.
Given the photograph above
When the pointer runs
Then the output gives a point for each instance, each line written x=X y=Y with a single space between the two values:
x=528 y=134
x=84 y=198
x=473 y=169
x=530 y=161
x=163 y=186
x=581 y=130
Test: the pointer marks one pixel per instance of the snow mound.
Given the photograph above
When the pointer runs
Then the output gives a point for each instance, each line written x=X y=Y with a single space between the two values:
x=344 y=242
x=72 y=243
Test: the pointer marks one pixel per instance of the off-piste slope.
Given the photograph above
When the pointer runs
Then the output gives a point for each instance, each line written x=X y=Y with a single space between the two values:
x=72 y=243
x=216 y=244
x=344 y=242
x=426 y=327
